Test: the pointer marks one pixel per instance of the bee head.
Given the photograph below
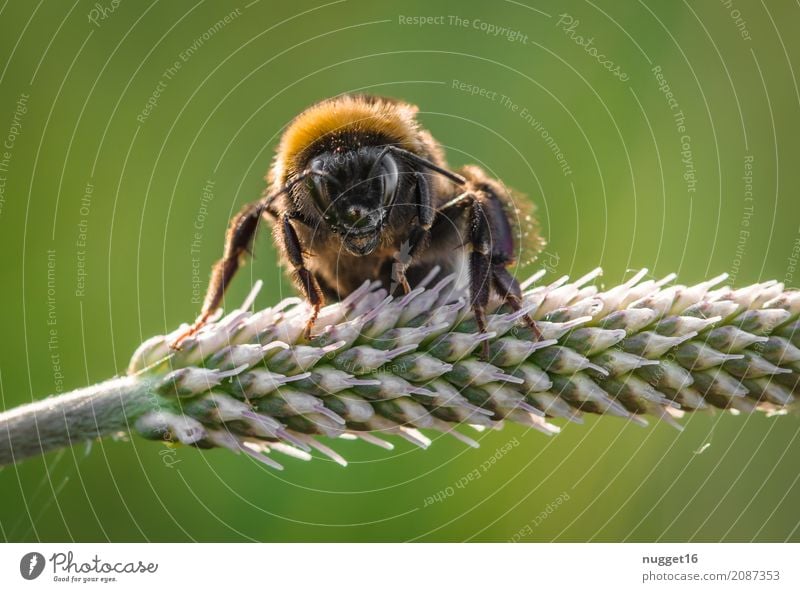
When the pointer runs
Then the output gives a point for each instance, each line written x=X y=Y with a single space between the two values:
x=353 y=191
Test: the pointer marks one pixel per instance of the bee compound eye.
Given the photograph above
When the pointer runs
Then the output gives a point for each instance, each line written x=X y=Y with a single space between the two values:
x=319 y=194
x=389 y=179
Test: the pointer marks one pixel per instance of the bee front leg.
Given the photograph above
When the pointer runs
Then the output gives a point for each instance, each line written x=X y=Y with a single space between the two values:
x=304 y=279
x=238 y=240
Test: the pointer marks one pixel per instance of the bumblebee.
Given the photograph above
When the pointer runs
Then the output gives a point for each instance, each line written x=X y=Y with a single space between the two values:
x=359 y=190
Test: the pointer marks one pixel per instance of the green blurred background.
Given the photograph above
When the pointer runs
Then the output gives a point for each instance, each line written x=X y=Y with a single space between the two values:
x=625 y=203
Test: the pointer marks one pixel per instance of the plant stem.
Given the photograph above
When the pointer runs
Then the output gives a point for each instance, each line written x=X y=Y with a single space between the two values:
x=62 y=420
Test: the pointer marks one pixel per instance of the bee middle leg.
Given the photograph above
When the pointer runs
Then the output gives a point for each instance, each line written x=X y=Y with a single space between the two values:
x=502 y=254
x=489 y=254
x=469 y=205
x=419 y=234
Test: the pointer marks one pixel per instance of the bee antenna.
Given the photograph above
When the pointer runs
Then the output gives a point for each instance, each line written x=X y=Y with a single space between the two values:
x=455 y=177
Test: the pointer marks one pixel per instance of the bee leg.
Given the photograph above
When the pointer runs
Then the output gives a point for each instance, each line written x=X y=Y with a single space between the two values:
x=492 y=245
x=505 y=285
x=508 y=289
x=238 y=240
x=304 y=279
x=418 y=236
x=398 y=276
x=479 y=267
x=479 y=239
